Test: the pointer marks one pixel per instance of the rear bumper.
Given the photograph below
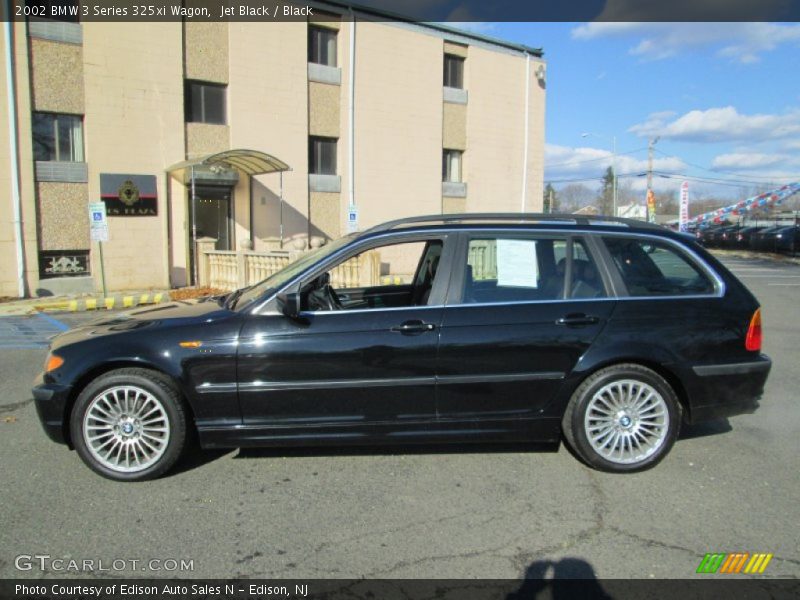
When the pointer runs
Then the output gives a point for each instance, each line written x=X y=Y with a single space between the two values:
x=725 y=390
x=51 y=402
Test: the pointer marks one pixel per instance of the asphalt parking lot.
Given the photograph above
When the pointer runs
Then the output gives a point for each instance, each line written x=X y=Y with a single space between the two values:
x=727 y=486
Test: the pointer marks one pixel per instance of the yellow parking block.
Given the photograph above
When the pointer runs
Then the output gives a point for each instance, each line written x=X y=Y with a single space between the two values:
x=91 y=304
x=144 y=299
x=73 y=305
x=127 y=301
x=109 y=302
x=157 y=298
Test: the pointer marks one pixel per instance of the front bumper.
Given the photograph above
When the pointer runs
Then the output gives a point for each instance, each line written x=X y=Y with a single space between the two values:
x=725 y=390
x=51 y=403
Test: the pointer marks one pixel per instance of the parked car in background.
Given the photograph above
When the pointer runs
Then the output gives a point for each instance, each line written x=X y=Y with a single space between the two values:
x=744 y=235
x=727 y=236
x=787 y=239
x=764 y=240
x=706 y=235
x=608 y=333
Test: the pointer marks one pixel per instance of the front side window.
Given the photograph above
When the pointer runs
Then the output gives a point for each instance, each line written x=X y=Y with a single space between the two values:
x=396 y=275
x=453 y=71
x=451 y=166
x=57 y=137
x=322 y=46
x=205 y=103
x=525 y=269
x=322 y=156
x=656 y=268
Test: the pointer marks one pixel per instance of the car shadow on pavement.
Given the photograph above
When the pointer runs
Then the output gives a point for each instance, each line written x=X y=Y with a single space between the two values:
x=198 y=458
x=562 y=579
x=704 y=429
x=394 y=450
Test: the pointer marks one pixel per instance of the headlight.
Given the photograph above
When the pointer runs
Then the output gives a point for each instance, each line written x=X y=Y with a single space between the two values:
x=52 y=363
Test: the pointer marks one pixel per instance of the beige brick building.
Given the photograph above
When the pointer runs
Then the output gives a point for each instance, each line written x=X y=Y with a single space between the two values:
x=391 y=118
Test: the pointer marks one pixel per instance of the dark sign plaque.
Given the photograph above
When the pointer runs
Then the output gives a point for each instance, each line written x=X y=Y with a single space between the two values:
x=129 y=195
x=63 y=263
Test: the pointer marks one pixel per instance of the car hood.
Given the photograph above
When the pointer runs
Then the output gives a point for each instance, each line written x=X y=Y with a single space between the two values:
x=152 y=318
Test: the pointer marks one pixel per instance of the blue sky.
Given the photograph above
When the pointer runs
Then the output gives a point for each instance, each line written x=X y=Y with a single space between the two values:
x=723 y=98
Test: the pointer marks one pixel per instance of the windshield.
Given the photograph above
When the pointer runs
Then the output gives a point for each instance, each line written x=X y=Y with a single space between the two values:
x=247 y=296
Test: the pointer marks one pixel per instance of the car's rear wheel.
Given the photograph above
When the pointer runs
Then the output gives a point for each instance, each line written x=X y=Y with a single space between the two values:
x=623 y=418
x=129 y=424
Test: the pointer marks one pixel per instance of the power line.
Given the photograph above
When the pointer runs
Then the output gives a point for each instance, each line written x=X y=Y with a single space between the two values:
x=709 y=180
x=596 y=178
x=696 y=166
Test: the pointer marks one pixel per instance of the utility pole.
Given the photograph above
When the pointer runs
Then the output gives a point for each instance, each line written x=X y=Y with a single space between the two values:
x=650 y=203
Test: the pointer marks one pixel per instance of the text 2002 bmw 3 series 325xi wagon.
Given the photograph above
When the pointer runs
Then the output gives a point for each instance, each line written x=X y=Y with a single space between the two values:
x=441 y=329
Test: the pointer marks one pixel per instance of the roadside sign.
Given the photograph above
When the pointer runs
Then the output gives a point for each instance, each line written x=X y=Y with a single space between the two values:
x=352 y=219
x=684 y=206
x=98 y=222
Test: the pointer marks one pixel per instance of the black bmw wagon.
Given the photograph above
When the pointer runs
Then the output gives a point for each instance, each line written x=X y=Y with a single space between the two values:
x=454 y=329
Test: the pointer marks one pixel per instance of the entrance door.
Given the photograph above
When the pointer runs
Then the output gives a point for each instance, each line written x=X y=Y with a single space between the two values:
x=210 y=216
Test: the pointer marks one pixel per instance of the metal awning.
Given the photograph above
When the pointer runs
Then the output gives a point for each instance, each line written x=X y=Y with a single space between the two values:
x=251 y=162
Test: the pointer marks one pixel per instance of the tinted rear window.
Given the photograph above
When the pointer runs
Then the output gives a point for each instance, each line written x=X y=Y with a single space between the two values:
x=654 y=268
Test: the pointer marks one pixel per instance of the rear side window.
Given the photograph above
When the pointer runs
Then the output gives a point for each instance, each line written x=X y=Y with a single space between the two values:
x=654 y=268
x=525 y=269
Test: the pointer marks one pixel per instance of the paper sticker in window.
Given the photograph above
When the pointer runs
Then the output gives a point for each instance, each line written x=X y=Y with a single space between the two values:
x=516 y=263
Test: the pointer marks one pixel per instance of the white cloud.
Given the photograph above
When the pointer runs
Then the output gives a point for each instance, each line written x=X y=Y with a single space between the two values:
x=724 y=124
x=738 y=42
x=572 y=163
x=775 y=167
x=746 y=161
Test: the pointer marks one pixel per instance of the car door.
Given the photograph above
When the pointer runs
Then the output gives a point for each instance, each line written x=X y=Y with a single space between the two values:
x=347 y=373
x=523 y=308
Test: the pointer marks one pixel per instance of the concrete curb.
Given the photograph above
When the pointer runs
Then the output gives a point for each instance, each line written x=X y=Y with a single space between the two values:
x=103 y=302
x=108 y=302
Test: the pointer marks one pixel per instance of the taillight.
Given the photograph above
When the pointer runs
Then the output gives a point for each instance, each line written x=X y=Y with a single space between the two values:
x=753 y=340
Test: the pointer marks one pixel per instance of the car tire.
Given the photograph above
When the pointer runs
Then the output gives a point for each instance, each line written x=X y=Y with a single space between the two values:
x=129 y=424
x=622 y=419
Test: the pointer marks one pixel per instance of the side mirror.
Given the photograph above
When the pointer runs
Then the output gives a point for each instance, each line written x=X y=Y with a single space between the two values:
x=289 y=304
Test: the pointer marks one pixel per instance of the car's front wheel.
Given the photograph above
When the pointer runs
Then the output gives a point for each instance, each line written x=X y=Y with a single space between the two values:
x=129 y=424
x=623 y=418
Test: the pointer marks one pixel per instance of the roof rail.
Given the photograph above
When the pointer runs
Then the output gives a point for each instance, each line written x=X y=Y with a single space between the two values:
x=517 y=217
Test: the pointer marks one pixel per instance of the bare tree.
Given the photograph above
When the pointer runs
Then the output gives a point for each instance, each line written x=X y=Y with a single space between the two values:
x=574 y=196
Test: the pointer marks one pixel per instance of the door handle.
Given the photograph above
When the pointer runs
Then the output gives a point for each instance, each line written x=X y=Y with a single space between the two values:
x=577 y=320
x=414 y=327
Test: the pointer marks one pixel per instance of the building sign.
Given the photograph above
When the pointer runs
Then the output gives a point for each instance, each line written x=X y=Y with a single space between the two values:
x=63 y=263
x=684 y=207
x=352 y=218
x=129 y=195
x=98 y=223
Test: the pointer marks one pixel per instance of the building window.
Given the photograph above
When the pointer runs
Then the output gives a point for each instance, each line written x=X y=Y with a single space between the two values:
x=451 y=166
x=205 y=103
x=453 y=71
x=322 y=46
x=57 y=137
x=322 y=156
